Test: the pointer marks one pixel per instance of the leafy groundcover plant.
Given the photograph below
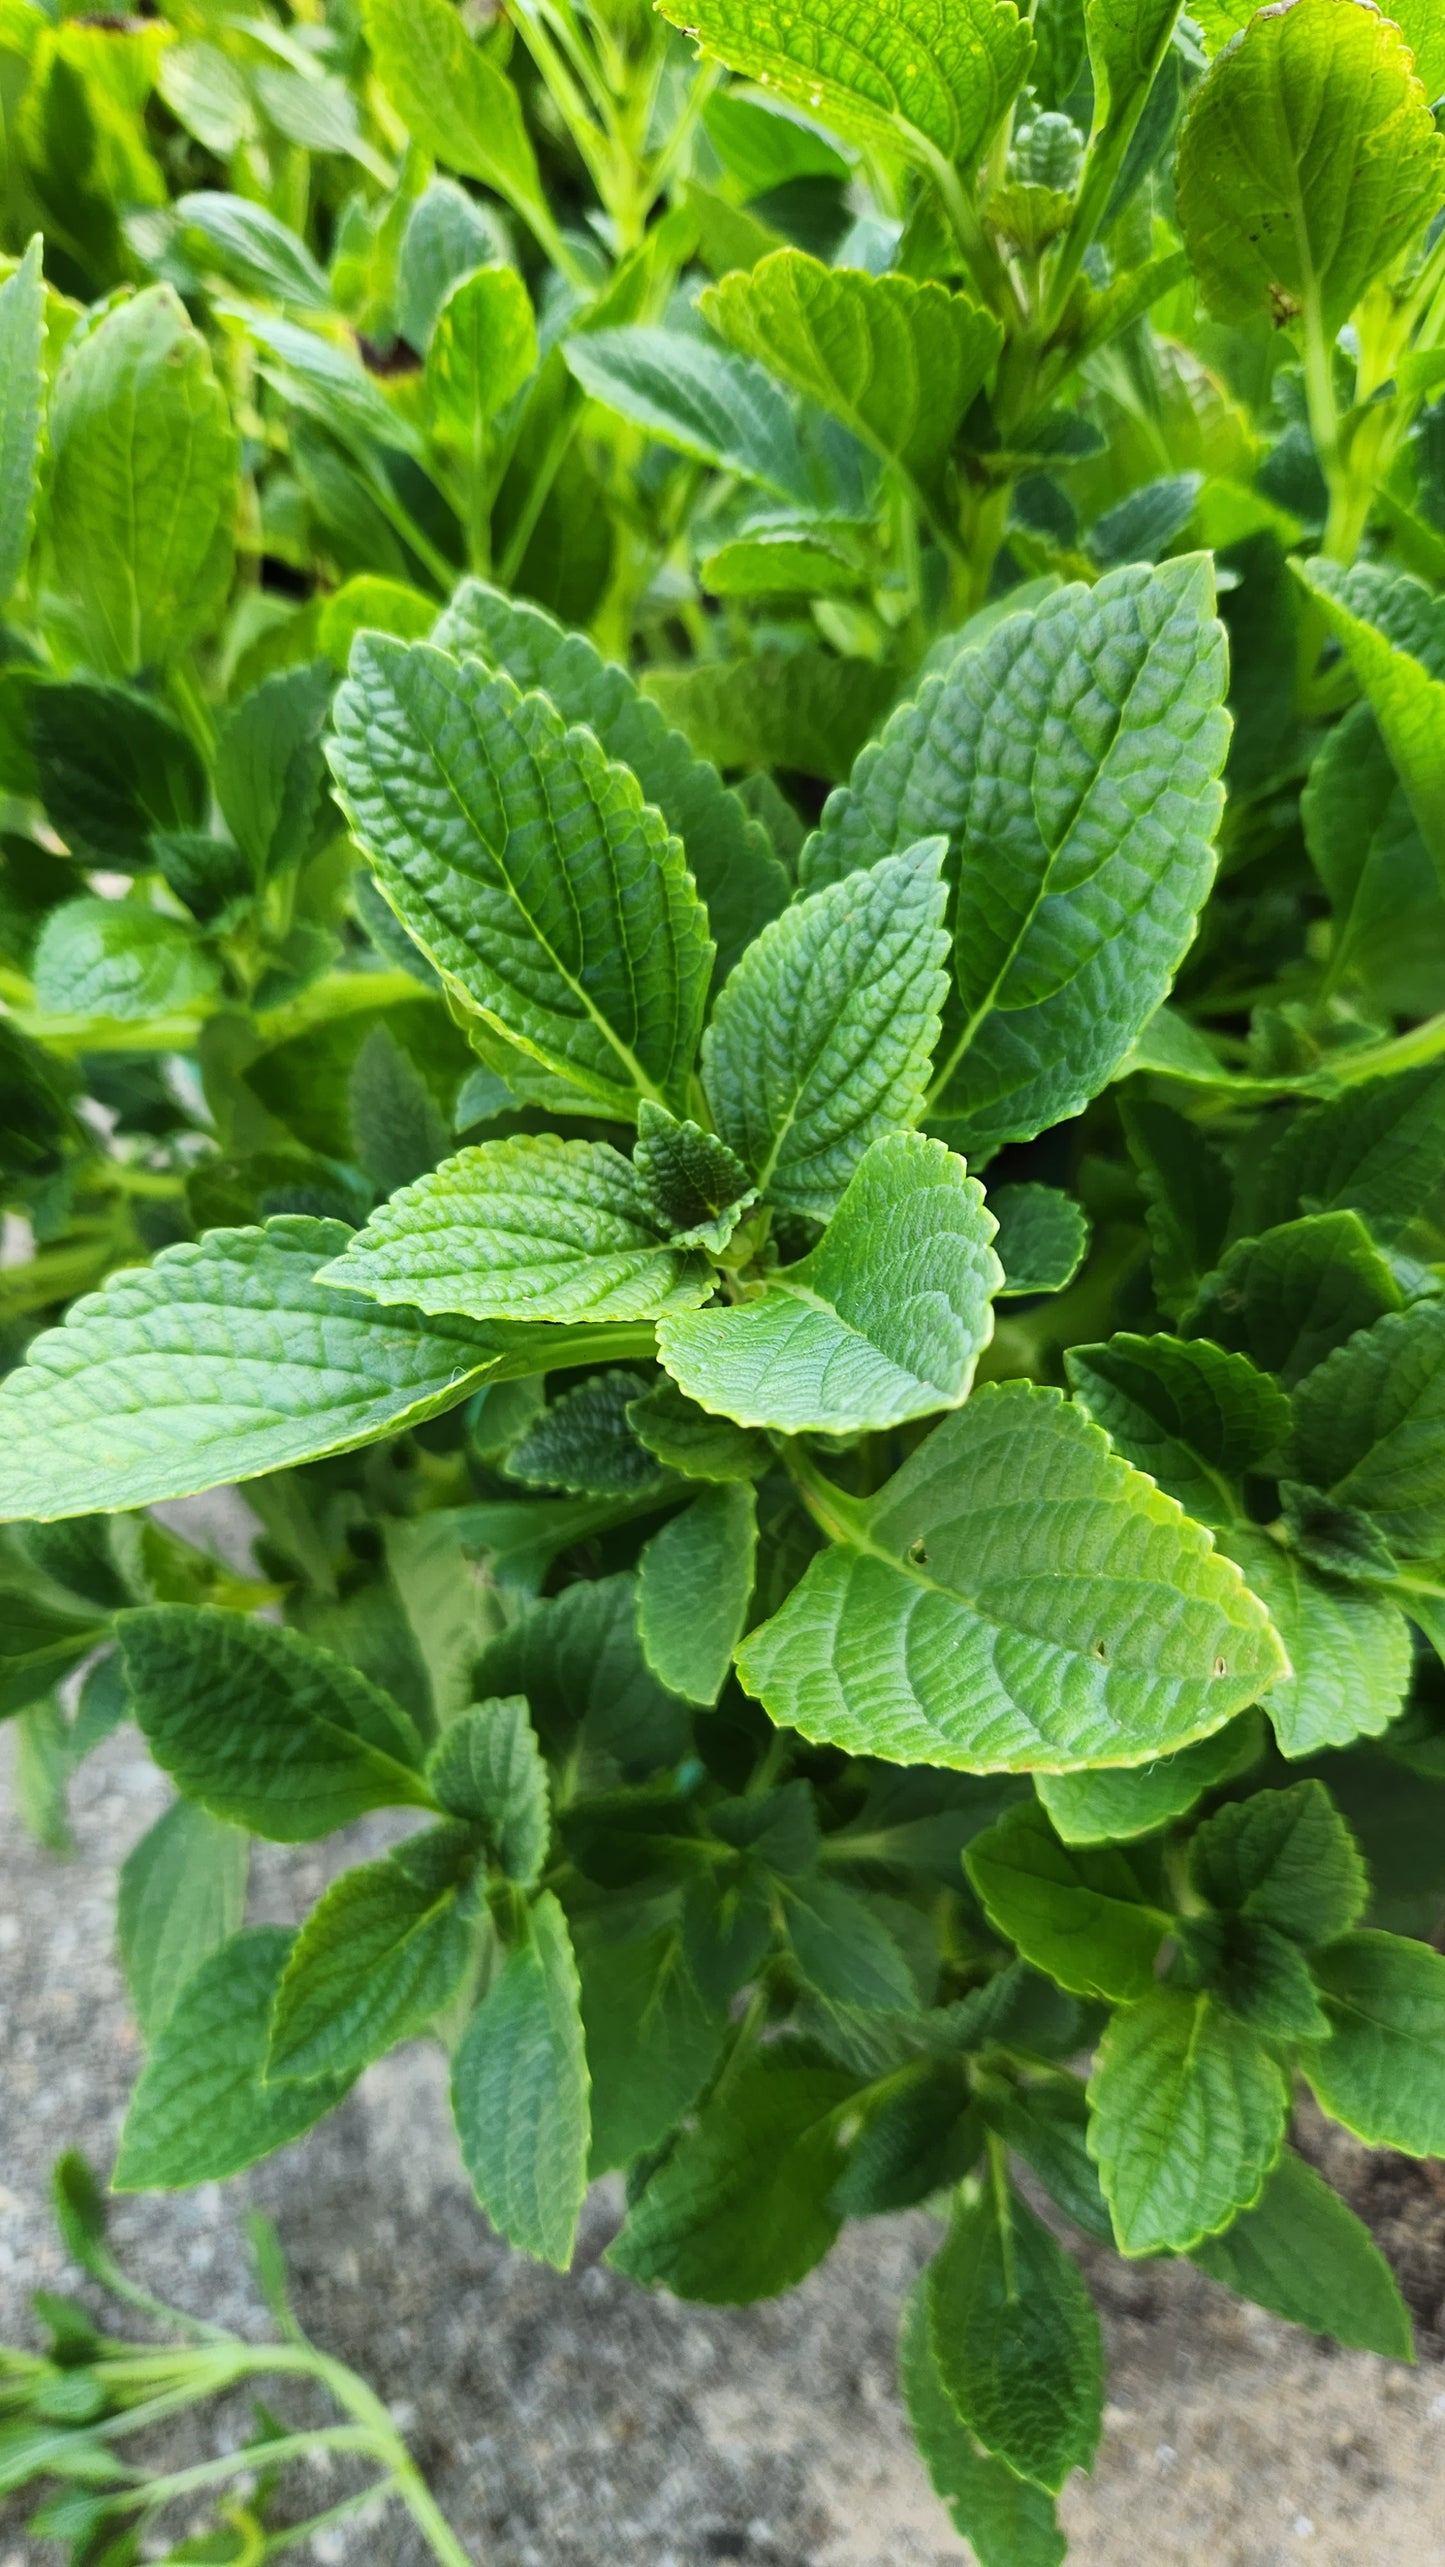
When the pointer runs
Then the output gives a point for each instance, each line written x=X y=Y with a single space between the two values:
x=731 y=844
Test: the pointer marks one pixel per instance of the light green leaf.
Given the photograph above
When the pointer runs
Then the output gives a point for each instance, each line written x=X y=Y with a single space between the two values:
x=378 y=1956
x=182 y=1894
x=520 y=2093
x=201 y=2110
x=652 y=2041
x=916 y=78
x=1007 y=2521
x=1087 y=1918
x=1375 y=617
x=728 y=854
x=1127 y=40
x=247 y=244
x=1383 y=2071
x=264 y=1728
x=898 y=363
x=1016 y=2340
x=22 y=345
x=554 y=902
x=694 y=1584
x=526 y=1228
x=448 y=234
x=1285 y=1858
x=449 y=1596
x=821 y=1040
x=489 y=1769
x=270 y=770
x=454 y=101
x=938 y=1629
x=1073 y=759
x=1388 y=925
x=1188 y=2112
x=206 y=93
x=220 y=1361
x=1349 y=1649
x=1302 y=2253
x=686 y=1439
x=325 y=380
x=114 y=959
x=1370 y=1427
x=799 y=709
x=1289 y=1297
x=1195 y=1418
x=483 y=348
x=143 y=494
x=1115 y=1803
x=1308 y=161
x=1043 y=1238
x=885 y=1320
x=578 y=1661
x=781 y=562
x=719 y=408
x=585 y=1442
x=697 y=1186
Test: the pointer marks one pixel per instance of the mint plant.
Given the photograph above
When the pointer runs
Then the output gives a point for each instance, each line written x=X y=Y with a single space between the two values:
x=724 y=833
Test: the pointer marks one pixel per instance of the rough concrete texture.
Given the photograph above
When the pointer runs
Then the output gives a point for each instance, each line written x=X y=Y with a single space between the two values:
x=571 y=2421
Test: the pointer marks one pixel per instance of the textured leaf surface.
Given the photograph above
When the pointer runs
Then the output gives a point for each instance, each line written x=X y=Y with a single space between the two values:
x=585 y=1443
x=1192 y=1416
x=218 y=1362
x=652 y=2042
x=554 y=901
x=483 y=348
x=1302 y=2253
x=884 y=1320
x=695 y=1580
x=22 y=341
x=1006 y=2521
x=520 y=2093
x=452 y=97
x=526 y=1228
x=1043 y=1237
x=1286 y=1858
x=799 y=708
x=1289 y=1297
x=1016 y=2340
x=578 y=1661
x=375 y=1960
x=489 y=1769
x=720 y=408
x=1383 y=2072
x=1188 y=2116
x=1370 y=1428
x=182 y=1894
x=112 y=767
x=1114 y=1803
x=1388 y=924
x=201 y=2110
x=112 y=958
x=822 y=1039
x=937 y=1629
x=1390 y=630
x=1349 y=1649
x=687 y=1439
x=1086 y=1918
x=1072 y=760
x=1378 y=1150
x=697 y=1186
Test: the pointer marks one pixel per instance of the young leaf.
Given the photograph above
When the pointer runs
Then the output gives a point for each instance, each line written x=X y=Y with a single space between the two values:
x=455 y=102
x=935 y=1628
x=697 y=1186
x=1303 y=2254
x=248 y=245
x=1081 y=868
x=112 y=767
x=1309 y=158
x=653 y=2041
x=1016 y=2340
x=483 y=348
x=584 y=1442
x=898 y=363
x=1377 y=620
x=182 y=1895
x=686 y=1439
x=1188 y=2116
x=738 y=877
x=113 y=959
x=1382 y=2073
x=1043 y=1238
x=1370 y=1428
x=144 y=483
x=1195 y=1418
x=220 y=1361
x=377 y=1957
x=885 y=1320
x=520 y=2093
x=1349 y=1649
x=1006 y=2520
x=554 y=902
x=1086 y=1918
x=202 y=2109
x=718 y=408
x=1113 y=1804
x=1289 y=1297
x=489 y=1770
x=262 y=1727
x=694 y=1584
x=1286 y=1858
x=22 y=342
x=578 y=1661
x=1258 y=1975
x=821 y=1040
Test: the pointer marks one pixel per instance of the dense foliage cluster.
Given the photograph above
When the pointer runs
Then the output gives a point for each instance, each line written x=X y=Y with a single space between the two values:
x=722 y=940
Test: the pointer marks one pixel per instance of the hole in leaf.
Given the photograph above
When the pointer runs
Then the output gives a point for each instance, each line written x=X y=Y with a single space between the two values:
x=1101 y=1652
x=1220 y=1667
x=918 y=1554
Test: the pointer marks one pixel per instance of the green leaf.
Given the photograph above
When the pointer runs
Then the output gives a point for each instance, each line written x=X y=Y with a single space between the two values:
x=1349 y=1650
x=798 y=709
x=1073 y=759
x=718 y=408
x=584 y=1442
x=938 y=1629
x=41 y=1639
x=1388 y=924
x=885 y=1320
x=554 y=902
x=1303 y=2254
x=264 y=1728
x=653 y=2041
x=1193 y=1416
x=1382 y=2073
x=1188 y=1197
x=448 y=1599
x=483 y=348
x=1289 y=1297
x=1087 y=1918
x=1043 y=1238
x=729 y=856
x=114 y=959
x=1016 y=2340
x=1308 y=161
x=1188 y=2116
x=379 y=1955
x=182 y=1894
x=326 y=382
x=842 y=1948
x=1378 y=1150
x=112 y=767
x=1286 y=1858
x=489 y=1769
x=527 y=1228
x=898 y=363
x=694 y=1585
x=454 y=101
x=221 y=1361
x=686 y=1439
x=1258 y=1975
x=1113 y=1804
x=821 y=1040
x=398 y=1132
x=448 y=234
x=578 y=1661
x=1127 y=41
x=143 y=494
x=1007 y=2521
x=247 y=244
x=1047 y=2124
x=22 y=345
x=202 y=2110
x=697 y=1186
x=932 y=85
x=1370 y=1428
x=1390 y=633
x=270 y=770
x=741 y=2209
x=520 y=2093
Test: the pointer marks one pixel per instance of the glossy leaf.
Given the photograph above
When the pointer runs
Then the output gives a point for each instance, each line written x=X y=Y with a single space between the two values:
x=1043 y=1238
x=1086 y=1918
x=1006 y=2520
x=1370 y=1428
x=1349 y=1649
x=1191 y=1415
x=1376 y=620
x=1188 y=2117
